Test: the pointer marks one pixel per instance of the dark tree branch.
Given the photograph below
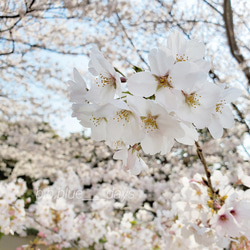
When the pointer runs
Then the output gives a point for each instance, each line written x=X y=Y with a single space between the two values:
x=210 y=5
x=13 y=46
x=203 y=161
x=228 y=18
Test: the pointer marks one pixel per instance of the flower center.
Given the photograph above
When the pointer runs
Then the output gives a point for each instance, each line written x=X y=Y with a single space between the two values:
x=164 y=81
x=181 y=58
x=223 y=217
x=123 y=115
x=150 y=123
x=103 y=81
x=233 y=212
x=192 y=99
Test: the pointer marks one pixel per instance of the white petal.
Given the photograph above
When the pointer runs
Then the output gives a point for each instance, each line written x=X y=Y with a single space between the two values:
x=98 y=133
x=121 y=155
x=177 y=43
x=167 y=144
x=191 y=134
x=168 y=98
x=151 y=144
x=185 y=75
x=215 y=128
x=98 y=64
x=142 y=84
x=100 y=95
x=226 y=118
x=169 y=126
x=231 y=94
x=209 y=94
x=160 y=63
x=195 y=49
x=77 y=88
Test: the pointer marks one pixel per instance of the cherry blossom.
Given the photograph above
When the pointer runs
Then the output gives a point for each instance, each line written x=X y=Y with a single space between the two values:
x=222 y=116
x=108 y=83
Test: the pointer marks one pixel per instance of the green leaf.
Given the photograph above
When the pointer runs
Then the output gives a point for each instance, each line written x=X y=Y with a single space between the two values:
x=137 y=69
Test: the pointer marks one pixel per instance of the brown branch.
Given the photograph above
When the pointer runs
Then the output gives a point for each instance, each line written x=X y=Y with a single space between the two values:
x=228 y=19
x=203 y=161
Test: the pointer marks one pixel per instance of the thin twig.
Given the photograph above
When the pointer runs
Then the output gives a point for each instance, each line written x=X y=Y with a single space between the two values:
x=203 y=161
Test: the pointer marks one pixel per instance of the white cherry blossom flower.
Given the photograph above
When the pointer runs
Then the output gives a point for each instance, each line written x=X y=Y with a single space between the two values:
x=90 y=117
x=196 y=97
x=222 y=116
x=184 y=50
x=108 y=83
x=158 y=81
x=124 y=124
x=160 y=129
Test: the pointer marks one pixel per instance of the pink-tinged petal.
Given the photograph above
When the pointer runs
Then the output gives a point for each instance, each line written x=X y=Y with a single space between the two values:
x=142 y=84
x=226 y=118
x=160 y=62
x=225 y=223
x=215 y=127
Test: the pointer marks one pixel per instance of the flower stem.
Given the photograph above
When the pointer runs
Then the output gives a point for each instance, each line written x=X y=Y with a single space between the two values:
x=203 y=161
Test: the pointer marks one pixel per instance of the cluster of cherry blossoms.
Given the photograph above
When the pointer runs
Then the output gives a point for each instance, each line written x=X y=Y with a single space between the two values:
x=120 y=216
x=150 y=110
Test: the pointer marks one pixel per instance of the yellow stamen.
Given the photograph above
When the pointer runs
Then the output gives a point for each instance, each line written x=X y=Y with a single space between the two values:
x=182 y=58
x=102 y=81
x=164 y=81
x=219 y=106
x=97 y=120
x=192 y=99
x=123 y=115
x=150 y=123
